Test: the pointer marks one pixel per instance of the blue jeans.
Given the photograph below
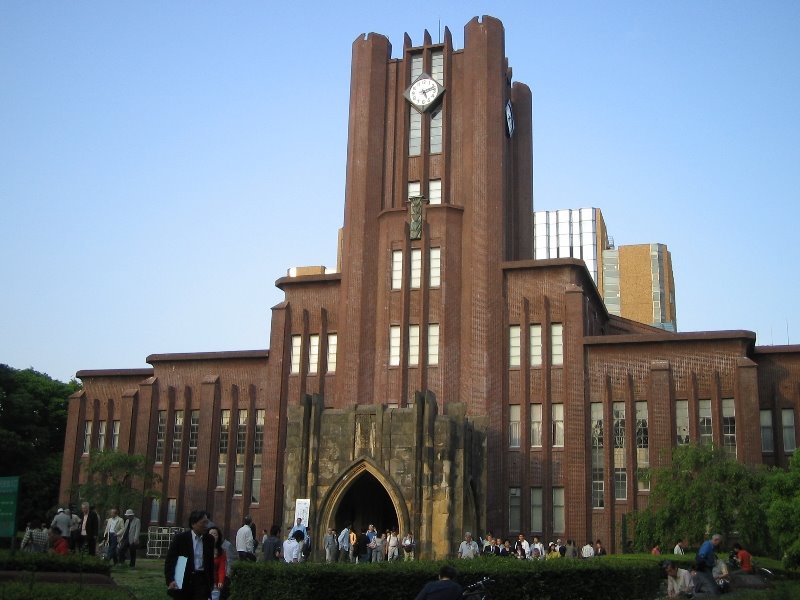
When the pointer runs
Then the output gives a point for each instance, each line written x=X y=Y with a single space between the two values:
x=111 y=551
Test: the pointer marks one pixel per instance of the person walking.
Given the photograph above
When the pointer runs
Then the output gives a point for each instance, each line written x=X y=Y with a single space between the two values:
x=196 y=548
x=129 y=540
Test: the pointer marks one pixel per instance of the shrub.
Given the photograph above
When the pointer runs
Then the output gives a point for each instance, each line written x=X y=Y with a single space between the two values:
x=70 y=563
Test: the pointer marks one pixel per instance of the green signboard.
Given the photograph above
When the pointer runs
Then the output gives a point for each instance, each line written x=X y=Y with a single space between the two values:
x=9 y=489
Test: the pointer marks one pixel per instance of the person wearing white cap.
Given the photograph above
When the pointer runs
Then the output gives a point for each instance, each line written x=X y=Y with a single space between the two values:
x=62 y=521
x=129 y=540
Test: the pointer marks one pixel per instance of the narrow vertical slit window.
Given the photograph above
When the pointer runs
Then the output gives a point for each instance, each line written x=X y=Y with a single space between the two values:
x=729 y=426
x=514 y=509
x=333 y=340
x=537 y=510
x=705 y=425
x=297 y=349
x=682 y=422
x=313 y=354
x=787 y=418
x=194 y=438
x=101 y=435
x=435 y=267
x=557 y=344
x=241 y=449
x=558 y=510
x=536 y=425
x=161 y=435
x=513 y=426
x=513 y=346
x=642 y=446
x=394 y=345
x=435 y=191
x=224 y=439
x=767 y=434
x=433 y=344
x=413 y=345
x=87 y=437
x=557 y=411
x=416 y=268
x=115 y=435
x=536 y=345
x=397 y=269
x=258 y=453
x=598 y=455
x=177 y=437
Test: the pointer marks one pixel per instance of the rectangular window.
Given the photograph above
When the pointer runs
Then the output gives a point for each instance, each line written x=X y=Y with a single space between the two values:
x=642 y=446
x=224 y=437
x=435 y=191
x=115 y=435
x=729 y=426
x=436 y=131
x=513 y=426
x=435 y=267
x=682 y=421
x=433 y=344
x=618 y=413
x=161 y=435
x=101 y=435
x=241 y=449
x=558 y=424
x=172 y=510
x=557 y=343
x=787 y=418
x=413 y=345
x=297 y=349
x=767 y=436
x=598 y=456
x=705 y=426
x=416 y=268
x=536 y=345
x=177 y=436
x=513 y=346
x=258 y=453
x=620 y=484
x=194 y=438
x=536 y=425
x=414 y=132
x=537 y=510
x=155 y=509
x=558 y=510
x=394 y=345
x=397 y=269
x=414 y=189
x=87 y=437
x=313 y=354
x=333 y=340
x=514 y=509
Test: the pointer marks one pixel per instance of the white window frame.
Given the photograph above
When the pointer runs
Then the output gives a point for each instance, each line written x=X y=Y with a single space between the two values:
x=333 y=341
x=767 y=431
x=787 y=422
x=557 y=412
x=514 y=433
x=435 y=191
x=435 y=262
x=536 y=425
x=536 y=345
x=433 y=344
x=513 y=346
x=558 y=510
x=557 y=344
x=415 y=276
x=313 y=354
x=296 y=354
x=413 y=345
x=397 y=269
x=394 y=345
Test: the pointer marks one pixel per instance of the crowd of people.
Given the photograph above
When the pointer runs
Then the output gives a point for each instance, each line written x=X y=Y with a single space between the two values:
x=72 y=531
x=522 y=549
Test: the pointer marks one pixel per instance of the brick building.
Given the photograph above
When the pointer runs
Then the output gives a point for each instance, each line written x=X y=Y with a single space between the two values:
x=440 y=380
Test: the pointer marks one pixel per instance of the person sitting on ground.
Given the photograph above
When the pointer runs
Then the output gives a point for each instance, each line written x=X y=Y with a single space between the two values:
x=679 y=581
x=721 y=575
x=59 y=544
x=445 y=588
x=744 y=560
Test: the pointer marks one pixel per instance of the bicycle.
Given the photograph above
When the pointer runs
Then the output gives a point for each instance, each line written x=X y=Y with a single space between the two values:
x=478 y=590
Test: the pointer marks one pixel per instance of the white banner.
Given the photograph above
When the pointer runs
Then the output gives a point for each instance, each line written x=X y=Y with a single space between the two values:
x=301 y=509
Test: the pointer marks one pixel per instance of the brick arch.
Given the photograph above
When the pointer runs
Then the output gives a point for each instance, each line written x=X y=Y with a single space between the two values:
x=333 y=498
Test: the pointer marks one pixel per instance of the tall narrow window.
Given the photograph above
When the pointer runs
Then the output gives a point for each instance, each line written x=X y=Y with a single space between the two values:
x=514 y=509
x=241 y=449
x=537 y=510
x=414 y=189
x=433 y=344
x=729 y=426
x=558 y=510
x=705 y=425
x=416 y=268
x=536 y=425
x=87 y=437
x=620 y=483
x=177 y=436
x=155 y=510
x=101 y=435
x=258 y=453
x=224 y=437
x=297 y=349
x=435 y=191
x=194 y=438
x=333 y=340
x=172 y=510
x=394 y=345
x=513 y=426
x=682 y=421
x=115 y=435
x=557 y=411
x=415 y=118
x=397 y=269
x=598 y=456
x=536 y=345
x=513 y=346
x=437 y=73
x=413 y=345
x=767 y=435
x=787 y=417
x=435 y=267
x=161 y=435
x=642 y=446
x=557 y=343
x=313 y=354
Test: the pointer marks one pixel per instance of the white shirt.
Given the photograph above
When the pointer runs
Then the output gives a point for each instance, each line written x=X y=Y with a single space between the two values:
x=292 y=551
x=540 y=547
x=244 y=539
x=678 y=549
x=197 y=545
x=682 y=582
x=468 y=549
x=114 y=524
x=587 y=551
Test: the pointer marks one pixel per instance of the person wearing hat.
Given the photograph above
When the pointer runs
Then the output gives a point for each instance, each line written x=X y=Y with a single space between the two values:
x=62 y=521
x=129 y=540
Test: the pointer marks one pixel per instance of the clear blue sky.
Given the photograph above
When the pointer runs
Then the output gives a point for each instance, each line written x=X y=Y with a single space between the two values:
x=158 y=158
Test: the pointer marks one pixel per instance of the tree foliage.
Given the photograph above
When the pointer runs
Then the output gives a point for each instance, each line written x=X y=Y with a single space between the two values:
x=704 y=491
x=116 y=479
x=33 y=418
x=783 y=511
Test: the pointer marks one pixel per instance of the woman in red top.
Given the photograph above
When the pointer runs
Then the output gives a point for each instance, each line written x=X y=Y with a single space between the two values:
x=743 y=558
x=220 y=560
x=57 y=543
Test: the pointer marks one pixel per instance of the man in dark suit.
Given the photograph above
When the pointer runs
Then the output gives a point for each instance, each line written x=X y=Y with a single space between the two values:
x=198 y=549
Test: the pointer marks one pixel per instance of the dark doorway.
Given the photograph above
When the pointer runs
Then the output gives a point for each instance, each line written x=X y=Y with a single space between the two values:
x=365 y=503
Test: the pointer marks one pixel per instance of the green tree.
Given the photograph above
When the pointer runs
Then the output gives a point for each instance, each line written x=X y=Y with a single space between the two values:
x=703 y=491
x=782 y=494
x=116 y=479
x=33 y=418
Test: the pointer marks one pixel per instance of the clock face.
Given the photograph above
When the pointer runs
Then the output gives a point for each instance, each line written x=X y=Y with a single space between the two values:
x=509 y=119
x=423 y=92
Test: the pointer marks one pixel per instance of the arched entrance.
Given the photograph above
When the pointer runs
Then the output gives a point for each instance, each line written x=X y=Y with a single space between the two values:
x=366 y=502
